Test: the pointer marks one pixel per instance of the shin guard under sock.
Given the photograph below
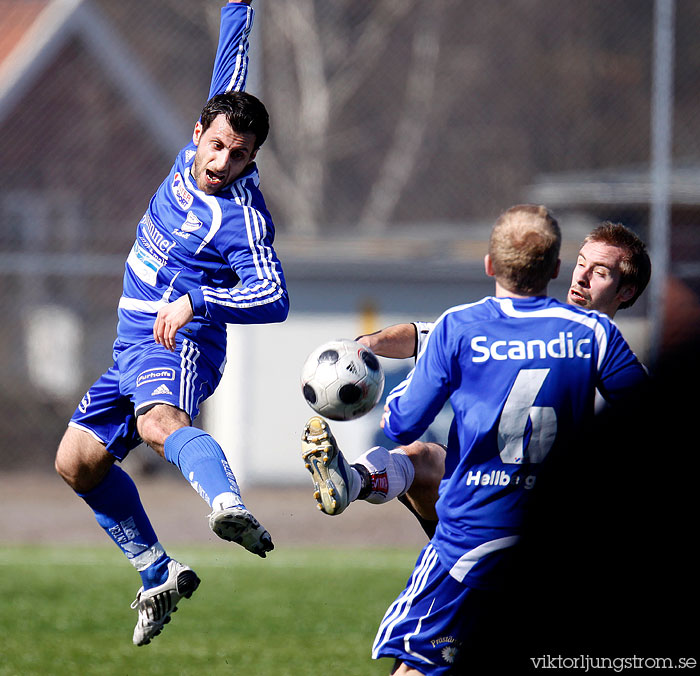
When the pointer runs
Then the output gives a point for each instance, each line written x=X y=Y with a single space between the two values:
x=202 y=462
x=118 y=509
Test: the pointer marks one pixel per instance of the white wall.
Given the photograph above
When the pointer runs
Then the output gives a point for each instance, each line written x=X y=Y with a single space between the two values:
x=258 y=412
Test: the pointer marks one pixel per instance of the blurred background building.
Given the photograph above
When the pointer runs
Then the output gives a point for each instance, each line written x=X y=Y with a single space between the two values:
x=400 y=130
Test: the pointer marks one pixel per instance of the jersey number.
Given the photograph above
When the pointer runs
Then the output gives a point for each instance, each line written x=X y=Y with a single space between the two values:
x=519 y=409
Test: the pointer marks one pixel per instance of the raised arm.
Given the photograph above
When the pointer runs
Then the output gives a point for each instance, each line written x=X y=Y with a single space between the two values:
x=231 y=62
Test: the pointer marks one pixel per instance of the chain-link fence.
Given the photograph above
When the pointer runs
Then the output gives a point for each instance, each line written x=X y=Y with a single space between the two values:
x=389 y=118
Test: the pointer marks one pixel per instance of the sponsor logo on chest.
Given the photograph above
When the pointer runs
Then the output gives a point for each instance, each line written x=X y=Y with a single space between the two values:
x=192 y=224
x=182 y=196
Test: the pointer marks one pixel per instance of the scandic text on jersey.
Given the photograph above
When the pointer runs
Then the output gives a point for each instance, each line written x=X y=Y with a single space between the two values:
x=562 y=347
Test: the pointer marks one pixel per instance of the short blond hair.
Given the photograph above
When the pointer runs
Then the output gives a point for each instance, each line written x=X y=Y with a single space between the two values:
x=524 y=248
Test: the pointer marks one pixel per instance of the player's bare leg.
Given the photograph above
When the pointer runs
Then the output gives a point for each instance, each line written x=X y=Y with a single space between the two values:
x=429 y=465
x=81 y=460
x=158 y=423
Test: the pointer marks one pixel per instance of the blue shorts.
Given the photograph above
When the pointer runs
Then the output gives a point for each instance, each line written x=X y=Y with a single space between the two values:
x=143 y=375
x=431 y=619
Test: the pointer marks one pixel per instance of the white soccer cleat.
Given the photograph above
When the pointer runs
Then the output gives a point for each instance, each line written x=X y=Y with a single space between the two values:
x=155 y=605
x=237 y=524
x=330 y=471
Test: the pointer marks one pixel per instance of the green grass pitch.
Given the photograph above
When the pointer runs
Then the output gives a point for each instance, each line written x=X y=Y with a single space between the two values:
x=298 y=612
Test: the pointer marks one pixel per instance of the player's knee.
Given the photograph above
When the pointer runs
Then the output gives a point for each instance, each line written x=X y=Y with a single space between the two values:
x=149 y=431
x=58 y=465
x=81 y=461
x=428 y=461
x=65 y=462
x=158 y=423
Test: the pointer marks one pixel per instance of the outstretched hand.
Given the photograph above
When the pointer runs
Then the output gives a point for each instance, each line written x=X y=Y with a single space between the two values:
x=170 y=320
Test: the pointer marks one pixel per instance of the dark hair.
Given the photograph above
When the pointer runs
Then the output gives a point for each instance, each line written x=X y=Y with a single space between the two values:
x=244 y=112
x=635 y=268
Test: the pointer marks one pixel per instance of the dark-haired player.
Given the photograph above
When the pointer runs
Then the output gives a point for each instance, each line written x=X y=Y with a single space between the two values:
x=203 y=257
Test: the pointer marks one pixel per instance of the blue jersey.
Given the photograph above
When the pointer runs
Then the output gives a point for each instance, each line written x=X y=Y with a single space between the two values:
x=216 y=248
x=521 y=376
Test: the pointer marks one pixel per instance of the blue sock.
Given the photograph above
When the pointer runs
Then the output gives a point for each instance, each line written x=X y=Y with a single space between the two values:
x=202 y=462
x=156 y=573
x=118 y=509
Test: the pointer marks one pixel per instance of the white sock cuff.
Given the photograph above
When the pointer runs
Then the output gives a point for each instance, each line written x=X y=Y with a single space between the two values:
x=225 y=501
x=391 y=473
x=407 y=472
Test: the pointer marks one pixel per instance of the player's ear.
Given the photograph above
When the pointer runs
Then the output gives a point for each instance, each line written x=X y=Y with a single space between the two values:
x=488 y=266
x=197 y=133
x=626 y=293
x=253 y=154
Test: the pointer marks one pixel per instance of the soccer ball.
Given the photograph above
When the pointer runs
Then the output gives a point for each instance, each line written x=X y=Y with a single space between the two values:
x=342 y=380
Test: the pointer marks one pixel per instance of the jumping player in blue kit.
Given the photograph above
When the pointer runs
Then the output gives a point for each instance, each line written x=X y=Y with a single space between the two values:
x=521 y=372
x=203 y=257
